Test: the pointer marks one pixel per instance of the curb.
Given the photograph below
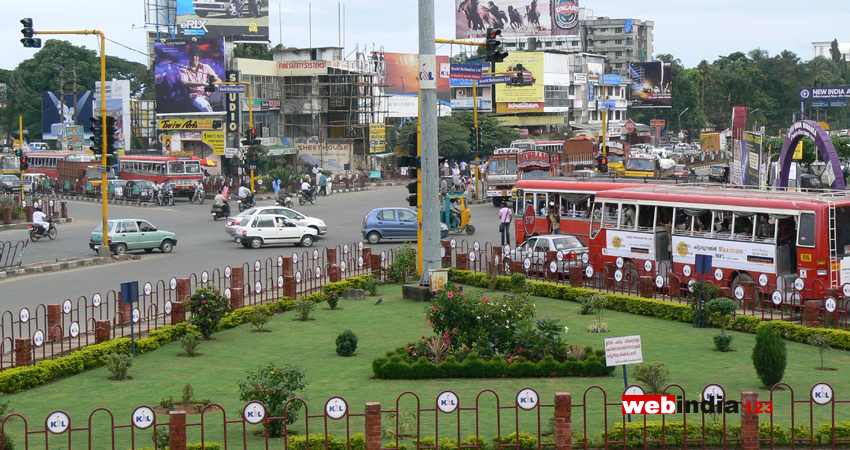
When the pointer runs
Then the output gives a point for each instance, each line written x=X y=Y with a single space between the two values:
x=63 y=265
x=24 y=225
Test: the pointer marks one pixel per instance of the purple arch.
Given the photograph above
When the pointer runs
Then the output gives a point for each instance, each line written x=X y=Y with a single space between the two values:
x=815 y=132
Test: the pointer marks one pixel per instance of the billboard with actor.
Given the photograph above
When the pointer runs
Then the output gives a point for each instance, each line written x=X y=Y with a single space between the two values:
x=652 y=84
x=183 y=68
x=236 y=20
x=59 y=111
x=516 y=19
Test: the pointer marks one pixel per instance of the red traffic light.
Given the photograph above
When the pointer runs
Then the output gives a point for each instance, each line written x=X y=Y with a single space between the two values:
x=493 y=33
x=603 y=160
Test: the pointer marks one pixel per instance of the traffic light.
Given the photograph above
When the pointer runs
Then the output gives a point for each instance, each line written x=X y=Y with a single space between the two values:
x=255 y=140
x=247 y=141
x=28 y=40
x=518 y=79
x=492 y=45
x=413 y=162
x=111 y=130
x=210 y=87
x=478 y=137
x=25 y=163
x=97 y=135
x=413 y=198
x=602 y=164
x=18 y=152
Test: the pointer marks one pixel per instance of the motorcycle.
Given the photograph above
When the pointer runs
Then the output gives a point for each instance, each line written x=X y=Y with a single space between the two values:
x=286 y=202
x=36 y=232
x=312 y=198
x=199 y=195
x=219 y=212
x=247 y=202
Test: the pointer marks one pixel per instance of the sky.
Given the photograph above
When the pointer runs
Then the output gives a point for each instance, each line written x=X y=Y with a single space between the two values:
x=690 y=30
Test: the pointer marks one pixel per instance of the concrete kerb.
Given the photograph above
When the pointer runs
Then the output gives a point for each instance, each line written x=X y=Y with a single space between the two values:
x=24 y=225
x=68 y=264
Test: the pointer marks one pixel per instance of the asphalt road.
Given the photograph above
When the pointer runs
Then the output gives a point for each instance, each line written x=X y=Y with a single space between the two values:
x=201 y=244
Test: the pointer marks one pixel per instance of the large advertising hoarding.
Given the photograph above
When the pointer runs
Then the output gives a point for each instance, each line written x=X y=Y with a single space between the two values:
x=652 y=84
x=751 y=158
x=59 y=112
x=224 y=19
x=534 y=18
x=182 y=69
x=403 y=75
x=528 y=96
x=118 y=106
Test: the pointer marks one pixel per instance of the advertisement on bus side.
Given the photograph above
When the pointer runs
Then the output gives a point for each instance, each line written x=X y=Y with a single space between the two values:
x=726 y=254
x=630 y=245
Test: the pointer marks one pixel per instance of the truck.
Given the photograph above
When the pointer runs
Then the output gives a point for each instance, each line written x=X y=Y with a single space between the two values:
x=501 y=174
x=578 y=154
x=86 y=172
x=649 y=166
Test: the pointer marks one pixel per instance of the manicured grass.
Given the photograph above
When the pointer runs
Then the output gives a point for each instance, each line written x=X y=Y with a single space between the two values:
x=687 y=351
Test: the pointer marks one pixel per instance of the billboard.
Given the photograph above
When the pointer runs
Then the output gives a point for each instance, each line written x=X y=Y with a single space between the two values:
x=652 y=85
x=751 y=158
x=224 y=19
x=69 y=110
x=529 y=96
x=118 y=106
x=535 y=18
x=182 y=70
x=403 y=75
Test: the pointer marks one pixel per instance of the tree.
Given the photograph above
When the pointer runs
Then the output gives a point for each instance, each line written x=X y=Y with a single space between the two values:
x=769 y=356
x=835 y=52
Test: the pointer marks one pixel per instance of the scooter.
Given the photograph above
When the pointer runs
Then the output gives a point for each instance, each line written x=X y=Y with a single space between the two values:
x=220 y=212
x=199 y=195
x=36 y=233
x=312 y=198
x=248 y=202
x=286 y=202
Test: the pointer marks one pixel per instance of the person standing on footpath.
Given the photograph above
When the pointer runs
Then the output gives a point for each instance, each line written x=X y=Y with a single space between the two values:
x=505 y=216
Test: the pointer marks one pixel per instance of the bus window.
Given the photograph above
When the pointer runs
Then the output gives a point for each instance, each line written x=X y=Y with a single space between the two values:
x=842 y=233
x=646 y=217
x=175 y=167
x=541 y=206
x=596 y=220
x=193 y=167
x=627 y=219
x=806 y=236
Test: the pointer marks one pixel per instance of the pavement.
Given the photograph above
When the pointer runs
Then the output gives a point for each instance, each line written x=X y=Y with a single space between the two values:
x=64 y=264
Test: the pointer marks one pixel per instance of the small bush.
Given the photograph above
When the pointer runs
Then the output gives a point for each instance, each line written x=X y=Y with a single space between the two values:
x=191 y=340
x=518 y=283
x=333 y=299
x=208 y=307
x=188 y=394
x=167 y=404
x=653 y=374
x=161 y=438
x=597 y=303
x=346 y=343
x=721 y=309
x=118 y=364
x=404 y=263
x=586 y=307
x=704 y=293
x=769 y=356
x=821 y=342
x=723 y=342
x=259 y=318
x=274 y=386
x=371 y=285
x=303 y=308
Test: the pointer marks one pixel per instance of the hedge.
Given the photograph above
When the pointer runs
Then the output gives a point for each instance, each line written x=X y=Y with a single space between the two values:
x=318 y=441
x=678 y=312
x=198 y=446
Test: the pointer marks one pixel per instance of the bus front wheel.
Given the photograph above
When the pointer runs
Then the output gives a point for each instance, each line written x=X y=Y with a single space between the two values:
x=497 y=201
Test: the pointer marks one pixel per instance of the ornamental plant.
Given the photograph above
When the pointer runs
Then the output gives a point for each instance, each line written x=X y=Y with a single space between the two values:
x=346 y=343
x=208 y=307
x=191 y=340
x=274 y=386
x=769 y=356
x=721 y=310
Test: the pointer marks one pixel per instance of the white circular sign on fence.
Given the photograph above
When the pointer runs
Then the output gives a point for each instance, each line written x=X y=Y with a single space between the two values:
x=634 y=390
x=227 y=271
x=360 y=246
x=846 y=289
x=829 y=304
x=38 y=338
x=472 y=256
x=618 y=275
x=280 y=261
x=447 y=401
x=718 y=274
x=298 y=276
x=763 y=280
x=257 y=265
x=205 y=277
x=560 y=255
x=294 y=258
x=526 y=263
x=258 y=287
x=360 y=261
x=148 y=288
x=168 y=306
x=383 y=255
x=24 y=315
x=442 y=252
x=173 y=283
x=254 y=413
x=95 y=300
x=280 y=281
x=659 y=281
x=136 y=315
x=51 y=203
x=585 y=258
x=822 y=393
x=776 y=297
x=66 y=307
x=686 y=270
x=713 y=393
x=647 y=265
x=318 y=272
x=620 y=262
x=739 y=292
x=453 y=243
x=476 y=246
x=692 y=285
x=342 y=266
x=553 y=266
x=336 y=408
x=588 y=271
x=315 y=253
x=74 y=329
x=143 y=417
x=799 y=284
x=58 y=422
x=345 y=249
x=227 y=293
x=527 y=399
x=506 y=249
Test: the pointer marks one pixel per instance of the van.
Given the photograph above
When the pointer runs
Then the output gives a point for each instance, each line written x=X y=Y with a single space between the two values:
x=38 y=146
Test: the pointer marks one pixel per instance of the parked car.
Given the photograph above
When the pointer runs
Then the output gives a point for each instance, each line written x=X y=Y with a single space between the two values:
x=680 y=171
x=393 y=224
x=534 y=251
x=293 y=215
x=255 y=231
x=132 y=234
x=9 y=183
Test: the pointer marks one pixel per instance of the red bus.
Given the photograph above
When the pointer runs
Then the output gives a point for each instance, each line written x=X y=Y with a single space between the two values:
x=46 y=162
x=182 y=172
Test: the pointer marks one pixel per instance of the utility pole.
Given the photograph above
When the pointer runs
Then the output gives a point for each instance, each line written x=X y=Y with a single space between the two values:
x=429 y=244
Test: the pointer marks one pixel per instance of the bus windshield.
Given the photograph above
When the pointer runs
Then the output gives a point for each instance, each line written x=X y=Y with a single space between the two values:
x=640 y=164
x=502 y=166
x=615 y=159
x=10 y=163
x=535 y=174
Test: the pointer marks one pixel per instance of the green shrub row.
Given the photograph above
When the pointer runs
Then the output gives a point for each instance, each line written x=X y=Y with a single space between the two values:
x=318 y=442
x=198 y=446
x=243 y=315
x=678 y=312
x=394 y=367
x=358 y=442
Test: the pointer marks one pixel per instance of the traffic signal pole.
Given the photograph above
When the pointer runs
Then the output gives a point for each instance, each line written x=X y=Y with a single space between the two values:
x=250 y=112
x=21 y=135
x=429 y=244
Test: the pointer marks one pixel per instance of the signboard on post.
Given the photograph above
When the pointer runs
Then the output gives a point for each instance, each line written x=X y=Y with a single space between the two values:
x=623 y=350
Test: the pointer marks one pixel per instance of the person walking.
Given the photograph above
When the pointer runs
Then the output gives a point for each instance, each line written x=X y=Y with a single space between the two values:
x=505 y=216
x=276 y=187
x=323 y=184
x=554 y=219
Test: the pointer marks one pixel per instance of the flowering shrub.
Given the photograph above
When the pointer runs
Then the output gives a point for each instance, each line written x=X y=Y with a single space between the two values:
x=208 y=307
x=274 y=386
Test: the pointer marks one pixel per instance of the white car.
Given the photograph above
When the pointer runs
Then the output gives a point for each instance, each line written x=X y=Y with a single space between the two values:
x=293 y=215
x=533 y=253
x=259 y=230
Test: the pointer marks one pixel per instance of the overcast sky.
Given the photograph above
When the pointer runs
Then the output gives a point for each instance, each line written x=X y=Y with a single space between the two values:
x=691 y=30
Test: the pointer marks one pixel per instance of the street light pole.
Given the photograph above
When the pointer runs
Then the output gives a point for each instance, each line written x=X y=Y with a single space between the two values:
x=755 y=122
x=680 y=118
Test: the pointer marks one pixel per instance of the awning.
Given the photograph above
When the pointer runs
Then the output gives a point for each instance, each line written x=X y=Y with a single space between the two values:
x=208 y=163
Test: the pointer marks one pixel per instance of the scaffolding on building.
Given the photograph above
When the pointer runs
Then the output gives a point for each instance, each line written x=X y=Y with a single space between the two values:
x=161 y=18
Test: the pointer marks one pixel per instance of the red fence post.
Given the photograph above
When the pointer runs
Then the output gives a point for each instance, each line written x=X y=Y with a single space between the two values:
x=331 y=256
x=289 y=287
x=178 y=312
x=236 y=277
x=373 y=426
x=462 y=261
x=646 y=285
x=54 y=322
x=749 y=421
x=576 y=276
x=376 y=265
x=23 y=352
x=183 y=289
x=749 y=294
x=812 y=313
x=126 y=310
x=177 y=430
x=366 y=254
x=101 y=331
x=334 y=273
x=563 y=421
x=674 y=287
x=447 y=252
x=287 y=267
x=237 y=299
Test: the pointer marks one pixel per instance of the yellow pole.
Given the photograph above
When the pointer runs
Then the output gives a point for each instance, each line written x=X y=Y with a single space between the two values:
x=604 y=116
x=21 y=139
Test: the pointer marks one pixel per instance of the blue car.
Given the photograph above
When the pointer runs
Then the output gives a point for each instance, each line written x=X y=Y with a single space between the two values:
x=393 y=224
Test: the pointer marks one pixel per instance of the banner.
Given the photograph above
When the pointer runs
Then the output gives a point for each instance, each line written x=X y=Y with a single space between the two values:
x=377 y=138
x=737 y=255
x=403 y=75
x=219 y=19
x=55 y=112
x=188 y=124
x=652 y=85
x=182 y=68
x=527 y=97
x=232 y=119
x=331 y=156
x=516 y=19
x=215 y=139
x=751 y=154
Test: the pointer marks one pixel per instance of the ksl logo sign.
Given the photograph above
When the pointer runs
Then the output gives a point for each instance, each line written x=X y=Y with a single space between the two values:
x=527 y=399
x=336 y=408
x=58 y=422
x=254 y=413
x=822 y=393
x=447 y=401
x=143 y=417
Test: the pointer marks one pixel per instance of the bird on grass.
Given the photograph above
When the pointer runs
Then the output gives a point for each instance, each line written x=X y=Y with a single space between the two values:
x=379 y=301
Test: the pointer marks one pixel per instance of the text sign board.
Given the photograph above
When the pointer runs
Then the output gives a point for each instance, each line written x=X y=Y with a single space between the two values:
x=465 y=71
x=623 y=350
x=657 y=123
x=130 y=292
x=824 y=93
x=703 y=264
x=231 y=88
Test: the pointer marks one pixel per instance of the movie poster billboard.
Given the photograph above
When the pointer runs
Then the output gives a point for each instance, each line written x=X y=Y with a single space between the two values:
x=403 y=75
x=529 y=95
x=182 y=69
x=515 y=19
x=70 y=110
x=751 y=158
x=219 y=19
x=652 y=84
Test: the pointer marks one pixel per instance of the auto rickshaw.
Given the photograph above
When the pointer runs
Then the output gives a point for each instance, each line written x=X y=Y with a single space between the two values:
x=455 y=213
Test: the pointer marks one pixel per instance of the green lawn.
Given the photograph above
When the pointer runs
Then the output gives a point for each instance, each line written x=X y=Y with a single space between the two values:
x=687 y=351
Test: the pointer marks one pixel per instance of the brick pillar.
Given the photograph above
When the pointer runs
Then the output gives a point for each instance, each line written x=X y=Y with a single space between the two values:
x=177 y=430
x=376 y=265
x=29 y=211
x=54 y=322
x=23 y=352
x=288 y=270
x=725 y=292
x=236 y=277
x=237 y=298
x=462 y=261
x=64 y=209
x=646 y=286
x=183 y=289
x=812 y=313
x=447 y=247
x=331 y=255
x=749 y=422
x=517 y=267
x=366 y=253
x=749 y=293
x=373 y=426
x=289 y=287
x=126 y=310
x=178 y=312
x=576 y=276
x=563 y=421
x=675 y=288
x=334 y=273
x=101 y=331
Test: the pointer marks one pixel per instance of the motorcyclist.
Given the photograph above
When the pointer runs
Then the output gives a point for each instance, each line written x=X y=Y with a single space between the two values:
x=306 y=191
x=245 y=195
x=221 y=202
x=38 y=219
x=283 y=194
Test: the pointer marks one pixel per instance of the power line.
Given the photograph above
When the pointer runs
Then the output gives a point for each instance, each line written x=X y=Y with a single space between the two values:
x=128 y=48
